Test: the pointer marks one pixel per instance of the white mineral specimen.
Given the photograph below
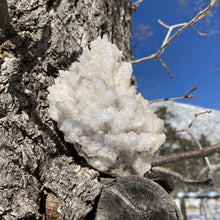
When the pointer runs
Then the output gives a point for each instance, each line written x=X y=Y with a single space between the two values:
x=100 y=112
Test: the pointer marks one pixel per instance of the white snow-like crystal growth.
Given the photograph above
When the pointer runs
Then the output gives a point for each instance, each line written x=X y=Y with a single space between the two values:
x=100 y=112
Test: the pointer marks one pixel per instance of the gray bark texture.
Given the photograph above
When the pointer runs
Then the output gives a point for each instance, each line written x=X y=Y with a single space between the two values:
x=4 y=21
x=42 y=176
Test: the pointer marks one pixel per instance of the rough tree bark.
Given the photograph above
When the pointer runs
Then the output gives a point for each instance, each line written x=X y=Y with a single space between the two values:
x=4 y=21
x=41 y=176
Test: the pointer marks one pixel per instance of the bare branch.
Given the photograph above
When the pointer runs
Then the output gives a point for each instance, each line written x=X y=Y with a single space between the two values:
x=199 y=33
x=192 y=90
x=165 y=66
x=206 y=151
x=187 y=96
x=180 y=177
x=4 y=16
x=192 y=136
x=196 y=115
x=161 y=22
x=170 y=29
x=168 y=39
x=199 y=16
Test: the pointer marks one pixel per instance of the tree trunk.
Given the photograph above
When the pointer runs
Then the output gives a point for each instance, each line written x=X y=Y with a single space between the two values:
x=42 y=176
x=4 y=21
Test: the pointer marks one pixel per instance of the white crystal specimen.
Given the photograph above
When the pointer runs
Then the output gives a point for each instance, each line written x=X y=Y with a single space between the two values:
x=100 y=112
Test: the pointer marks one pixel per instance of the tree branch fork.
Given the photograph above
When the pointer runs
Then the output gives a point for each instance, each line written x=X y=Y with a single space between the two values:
x=169 y=38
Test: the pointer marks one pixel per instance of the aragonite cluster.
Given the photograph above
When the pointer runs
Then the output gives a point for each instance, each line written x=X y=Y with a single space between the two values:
x=101 y=114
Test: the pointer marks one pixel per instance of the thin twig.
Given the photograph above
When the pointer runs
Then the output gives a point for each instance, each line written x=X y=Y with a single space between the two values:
x=199 y=33
x=188 y=130
x=181 y=27
x=165 y=66
x=180 y=177
x=195 y=116
x=206 y=151
x=187 y=96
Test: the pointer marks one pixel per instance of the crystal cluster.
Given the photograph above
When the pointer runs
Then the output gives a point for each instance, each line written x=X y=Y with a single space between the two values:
x=100 y=112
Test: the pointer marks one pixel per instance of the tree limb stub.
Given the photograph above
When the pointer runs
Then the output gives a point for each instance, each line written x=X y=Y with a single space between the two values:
x=135 y=197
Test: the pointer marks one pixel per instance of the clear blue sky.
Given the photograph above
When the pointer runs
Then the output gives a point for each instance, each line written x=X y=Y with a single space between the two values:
x=193 y=60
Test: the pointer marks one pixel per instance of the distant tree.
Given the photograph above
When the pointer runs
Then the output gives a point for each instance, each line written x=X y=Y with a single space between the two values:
x=175 y=143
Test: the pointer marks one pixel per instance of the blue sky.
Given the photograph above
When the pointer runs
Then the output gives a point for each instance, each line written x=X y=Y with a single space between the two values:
x=192 y=59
